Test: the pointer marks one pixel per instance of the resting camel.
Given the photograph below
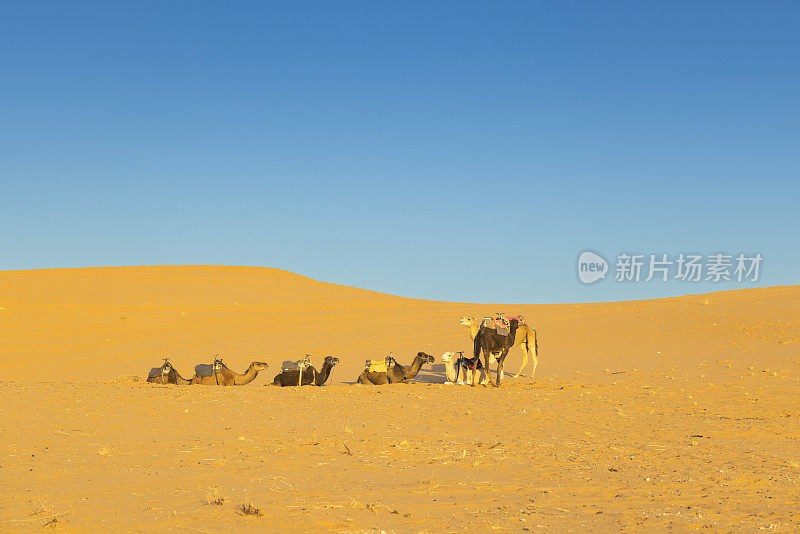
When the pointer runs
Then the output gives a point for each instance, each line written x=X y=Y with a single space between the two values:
x=525 y=338
x=488 y=341
x=291 y=377
x=222 y=376
x=395 y=372
x=457 y=369
x=166 y=374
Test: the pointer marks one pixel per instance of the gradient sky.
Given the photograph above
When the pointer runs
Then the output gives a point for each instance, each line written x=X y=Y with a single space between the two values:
x=461 y=151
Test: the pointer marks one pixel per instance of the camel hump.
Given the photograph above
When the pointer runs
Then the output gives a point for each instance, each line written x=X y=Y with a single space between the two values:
x=377 y=366
x=207 y=369
x=156 y=372
x=290 y=365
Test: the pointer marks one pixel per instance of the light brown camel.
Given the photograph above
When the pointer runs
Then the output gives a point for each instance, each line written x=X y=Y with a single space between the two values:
x=222 y=376
x=525 y=338
x=396 y=373
x=166 y=374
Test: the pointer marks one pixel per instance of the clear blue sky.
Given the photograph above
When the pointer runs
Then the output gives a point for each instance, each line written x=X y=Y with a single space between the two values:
x=449 y=150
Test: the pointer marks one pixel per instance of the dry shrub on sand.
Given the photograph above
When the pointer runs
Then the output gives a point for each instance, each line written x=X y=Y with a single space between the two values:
x=249 y=509
x=127 y=379
x=213 y=497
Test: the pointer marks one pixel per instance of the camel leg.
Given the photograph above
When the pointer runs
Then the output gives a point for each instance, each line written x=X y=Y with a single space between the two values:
x=500 y=361
x=525 y=350
x=486 y=356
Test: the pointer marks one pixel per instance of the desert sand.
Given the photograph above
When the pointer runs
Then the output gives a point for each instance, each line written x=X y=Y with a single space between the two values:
x=661 y=415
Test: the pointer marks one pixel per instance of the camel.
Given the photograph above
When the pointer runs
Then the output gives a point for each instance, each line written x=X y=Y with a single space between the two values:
x=222 y=376
x=310 y=376
x=457 y=370
x=166 y=374
x=525 y=338
x=396 y=373
x=300 y=366
x=488 y=341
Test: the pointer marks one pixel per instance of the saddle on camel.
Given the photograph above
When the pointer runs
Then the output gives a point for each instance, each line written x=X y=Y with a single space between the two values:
x=466 y=365
x=204 y=369
x=379 y=366
x=160 y=375
x=501 y=322
x=297 y=367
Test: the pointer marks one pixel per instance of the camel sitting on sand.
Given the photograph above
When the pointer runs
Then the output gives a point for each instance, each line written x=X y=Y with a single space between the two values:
x=310 y=376
x=222 y=376
x=166 y=374
x=395 y=373
x=525 y=338
x=461 y=371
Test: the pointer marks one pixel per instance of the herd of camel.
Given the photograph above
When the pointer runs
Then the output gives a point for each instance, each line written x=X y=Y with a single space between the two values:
x=492 y=338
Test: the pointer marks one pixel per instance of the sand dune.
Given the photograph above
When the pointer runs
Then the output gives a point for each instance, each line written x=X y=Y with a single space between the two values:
x=98 y=323
x=655 y=415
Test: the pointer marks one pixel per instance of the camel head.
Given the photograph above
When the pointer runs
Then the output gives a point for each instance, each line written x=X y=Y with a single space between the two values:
x=333 y=360
x=258 y=366
x=426 y=358
x=468 y=321
x=448 y=357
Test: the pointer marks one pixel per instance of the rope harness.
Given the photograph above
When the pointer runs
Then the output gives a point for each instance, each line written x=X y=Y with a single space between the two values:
x=165 y=371
x=302 y=366
x=217 y=367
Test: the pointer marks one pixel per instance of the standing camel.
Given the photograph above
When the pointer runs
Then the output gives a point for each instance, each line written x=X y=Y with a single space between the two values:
x=525 y=338
x=291 y=377
x=222 y=376
x=166 y=374
x=395 y=372
x=490 y=342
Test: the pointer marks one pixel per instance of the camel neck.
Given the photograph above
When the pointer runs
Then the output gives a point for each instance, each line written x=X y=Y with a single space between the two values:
x=473 y=330
x=413 y=371
x=246 y=378
x=324 y=373
x=450 y=370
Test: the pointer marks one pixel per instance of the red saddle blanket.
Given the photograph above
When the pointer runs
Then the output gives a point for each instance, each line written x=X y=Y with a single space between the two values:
x=502 y=323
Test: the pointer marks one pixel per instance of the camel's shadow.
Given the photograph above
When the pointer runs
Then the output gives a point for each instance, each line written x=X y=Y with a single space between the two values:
x=437 y=375
x=434 y=375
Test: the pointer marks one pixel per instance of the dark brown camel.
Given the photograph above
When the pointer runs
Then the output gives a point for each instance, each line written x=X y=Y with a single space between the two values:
x=311 y=377
x=396 y=373
x=489 y=341
x=166 y=374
